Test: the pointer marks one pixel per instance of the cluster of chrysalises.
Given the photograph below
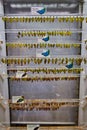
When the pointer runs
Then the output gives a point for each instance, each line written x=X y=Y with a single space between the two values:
x=43 y=105
x=43 y=45
x=44 y=19
x=44 y=78
x=23 y=61
x=43 y=33
x=50 y=70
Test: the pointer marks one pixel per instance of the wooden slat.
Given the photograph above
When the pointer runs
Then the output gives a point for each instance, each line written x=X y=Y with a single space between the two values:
x=49 y=128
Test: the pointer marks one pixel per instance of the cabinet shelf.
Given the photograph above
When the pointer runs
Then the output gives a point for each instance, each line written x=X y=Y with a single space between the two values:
x=45 y=15
x=55 y=56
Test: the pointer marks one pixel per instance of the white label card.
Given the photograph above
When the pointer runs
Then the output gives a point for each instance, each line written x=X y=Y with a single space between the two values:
x=37 y=10
x=32 y=127
x=40 y=51
x=16 y=98
x=43 y=39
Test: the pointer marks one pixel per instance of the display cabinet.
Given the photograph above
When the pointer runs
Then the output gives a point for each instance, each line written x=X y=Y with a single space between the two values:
x=46 y=61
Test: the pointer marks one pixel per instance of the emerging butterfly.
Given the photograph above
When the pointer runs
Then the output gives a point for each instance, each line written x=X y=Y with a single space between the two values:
x=41 y=11
x=46 y=53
